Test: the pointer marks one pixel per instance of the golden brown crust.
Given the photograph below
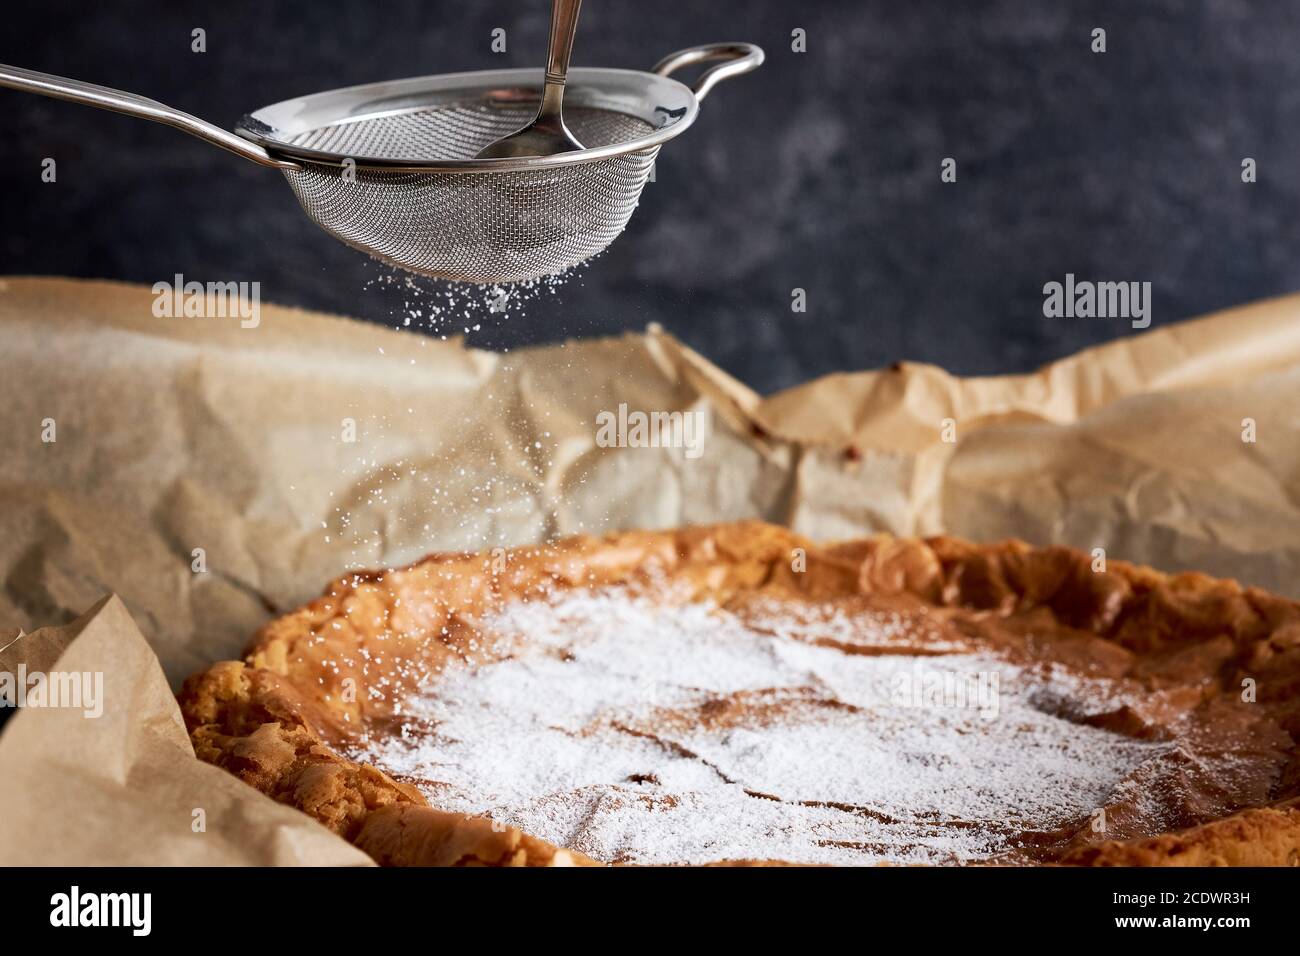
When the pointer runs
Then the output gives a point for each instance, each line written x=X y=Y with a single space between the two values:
x=278 y=719
x=405 y=835
x=1266 y=836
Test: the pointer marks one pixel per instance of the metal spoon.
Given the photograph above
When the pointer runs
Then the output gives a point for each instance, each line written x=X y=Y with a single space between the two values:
x=546 y=134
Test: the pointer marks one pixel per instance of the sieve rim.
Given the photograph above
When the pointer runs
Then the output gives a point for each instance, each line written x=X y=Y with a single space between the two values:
x=660 y=101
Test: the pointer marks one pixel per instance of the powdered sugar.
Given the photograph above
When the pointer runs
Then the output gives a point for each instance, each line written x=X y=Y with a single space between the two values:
x=684 y=733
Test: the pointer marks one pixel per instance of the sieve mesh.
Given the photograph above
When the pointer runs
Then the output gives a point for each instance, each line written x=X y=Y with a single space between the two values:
x=479 y=226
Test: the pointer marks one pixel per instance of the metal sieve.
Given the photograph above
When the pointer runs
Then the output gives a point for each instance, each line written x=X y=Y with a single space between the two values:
x=389 y=168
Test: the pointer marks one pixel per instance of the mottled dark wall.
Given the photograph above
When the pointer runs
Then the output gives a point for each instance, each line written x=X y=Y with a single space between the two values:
x=821 y=171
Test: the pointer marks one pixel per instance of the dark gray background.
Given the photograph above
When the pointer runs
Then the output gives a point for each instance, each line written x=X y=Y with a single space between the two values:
x=820 y=171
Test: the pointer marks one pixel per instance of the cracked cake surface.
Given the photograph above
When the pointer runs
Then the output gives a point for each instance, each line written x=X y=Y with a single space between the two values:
x=737 y=693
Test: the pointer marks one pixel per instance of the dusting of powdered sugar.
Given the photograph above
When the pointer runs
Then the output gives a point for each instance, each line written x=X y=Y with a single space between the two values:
x=639 y=731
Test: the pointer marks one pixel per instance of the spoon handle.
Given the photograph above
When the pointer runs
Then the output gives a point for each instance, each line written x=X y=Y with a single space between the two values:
x=564 y=24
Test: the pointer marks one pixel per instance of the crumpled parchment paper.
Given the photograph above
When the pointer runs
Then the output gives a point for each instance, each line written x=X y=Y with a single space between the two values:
x=212 y=476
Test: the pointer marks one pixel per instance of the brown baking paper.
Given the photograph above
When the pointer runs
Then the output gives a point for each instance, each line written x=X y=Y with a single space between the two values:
x=212 y=476
x=117 y=783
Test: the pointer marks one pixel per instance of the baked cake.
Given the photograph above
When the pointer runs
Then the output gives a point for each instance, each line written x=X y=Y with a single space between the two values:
x=739 y=694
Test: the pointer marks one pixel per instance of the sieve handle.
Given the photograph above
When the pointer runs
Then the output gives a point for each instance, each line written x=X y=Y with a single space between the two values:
x=739 y=58
x=106 y=98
